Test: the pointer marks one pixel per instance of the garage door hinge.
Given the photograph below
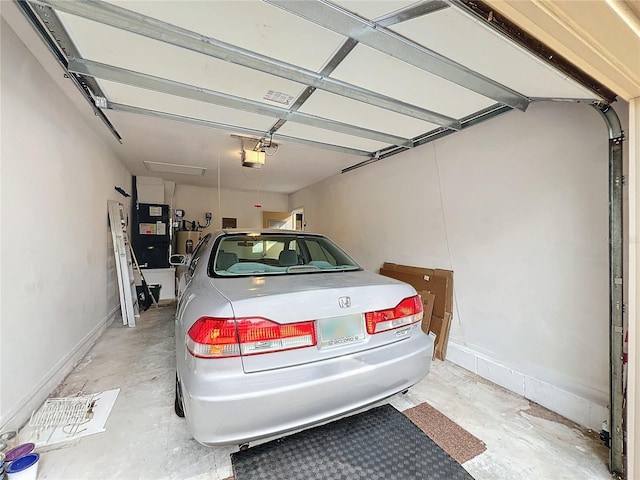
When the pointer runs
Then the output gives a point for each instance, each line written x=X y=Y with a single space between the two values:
x=620 y=181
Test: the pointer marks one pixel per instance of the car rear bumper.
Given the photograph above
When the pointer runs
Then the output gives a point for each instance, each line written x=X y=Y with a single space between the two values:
x=223 y=410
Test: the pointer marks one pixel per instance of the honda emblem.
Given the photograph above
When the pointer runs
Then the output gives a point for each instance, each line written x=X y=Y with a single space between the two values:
x=344 y=302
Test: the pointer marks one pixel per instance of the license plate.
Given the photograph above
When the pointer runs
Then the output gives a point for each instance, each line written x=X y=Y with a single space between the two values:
x=343 y=330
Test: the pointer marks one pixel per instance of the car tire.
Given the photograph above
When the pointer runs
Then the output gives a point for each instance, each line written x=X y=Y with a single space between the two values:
x=177 y=404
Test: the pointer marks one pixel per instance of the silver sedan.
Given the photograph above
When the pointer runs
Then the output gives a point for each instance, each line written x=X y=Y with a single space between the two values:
x=279 y=330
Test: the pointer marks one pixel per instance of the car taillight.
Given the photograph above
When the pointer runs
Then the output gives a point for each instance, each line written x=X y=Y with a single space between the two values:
x=408 y=311
x=213 y=337
x=259 y=335
x=227 y=337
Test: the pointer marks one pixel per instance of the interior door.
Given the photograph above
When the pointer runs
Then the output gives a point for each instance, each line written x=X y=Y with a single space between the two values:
x=298 y=219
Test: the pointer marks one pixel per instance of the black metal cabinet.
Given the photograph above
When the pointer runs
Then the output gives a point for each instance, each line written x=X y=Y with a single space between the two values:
x=150 y=235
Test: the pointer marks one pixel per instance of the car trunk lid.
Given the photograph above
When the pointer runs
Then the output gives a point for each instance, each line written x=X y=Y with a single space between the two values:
x=335 y=302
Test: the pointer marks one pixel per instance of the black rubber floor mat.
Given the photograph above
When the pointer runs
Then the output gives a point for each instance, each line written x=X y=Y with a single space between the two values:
x=378 y=444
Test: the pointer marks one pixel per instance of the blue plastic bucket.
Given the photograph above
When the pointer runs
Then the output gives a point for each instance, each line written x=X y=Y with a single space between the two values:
x=24 y=468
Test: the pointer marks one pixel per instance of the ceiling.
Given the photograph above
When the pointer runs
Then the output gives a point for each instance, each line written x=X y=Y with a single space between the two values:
x=328 y=85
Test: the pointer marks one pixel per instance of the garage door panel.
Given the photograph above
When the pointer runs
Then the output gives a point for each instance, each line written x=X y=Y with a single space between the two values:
x=374 y=9
x=465 y=40
x=389 y=76
x=141 y=54
x=345 y=110
x=332 y=138
x=250 y=24
x=147 y=99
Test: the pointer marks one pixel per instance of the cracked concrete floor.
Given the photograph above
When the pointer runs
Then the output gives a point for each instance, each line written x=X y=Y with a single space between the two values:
x=144 y=439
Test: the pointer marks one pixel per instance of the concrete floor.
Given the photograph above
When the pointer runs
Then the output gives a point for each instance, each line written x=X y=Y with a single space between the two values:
x=144 y=439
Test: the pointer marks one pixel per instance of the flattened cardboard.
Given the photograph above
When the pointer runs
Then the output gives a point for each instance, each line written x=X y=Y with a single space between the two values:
x=441 y=327
x=428 y=300
x=448 y=274
x=408 y=269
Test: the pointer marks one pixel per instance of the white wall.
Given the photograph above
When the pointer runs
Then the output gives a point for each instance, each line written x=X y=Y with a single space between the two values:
x=196 y=201
x=59 y=288
x=518 y=209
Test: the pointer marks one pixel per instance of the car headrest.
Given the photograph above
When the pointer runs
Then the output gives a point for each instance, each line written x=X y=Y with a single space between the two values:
x=288 y=257
x=225 y=260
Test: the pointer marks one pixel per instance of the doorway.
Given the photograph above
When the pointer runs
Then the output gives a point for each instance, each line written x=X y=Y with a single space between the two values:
x=284 y=220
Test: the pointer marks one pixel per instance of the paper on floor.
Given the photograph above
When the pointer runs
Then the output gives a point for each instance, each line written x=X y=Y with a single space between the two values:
x=45 y=428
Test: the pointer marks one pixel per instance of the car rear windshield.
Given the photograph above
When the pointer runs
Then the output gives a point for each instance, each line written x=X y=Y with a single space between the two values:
x=273 y=254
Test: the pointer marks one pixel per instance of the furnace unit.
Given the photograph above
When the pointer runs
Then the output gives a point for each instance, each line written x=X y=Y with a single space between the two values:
x=151 y=235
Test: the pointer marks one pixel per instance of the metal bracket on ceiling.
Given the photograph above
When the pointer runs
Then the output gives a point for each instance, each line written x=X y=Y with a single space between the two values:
x=258 y=143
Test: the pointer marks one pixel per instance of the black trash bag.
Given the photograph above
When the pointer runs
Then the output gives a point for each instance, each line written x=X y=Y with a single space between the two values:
x=145 y=300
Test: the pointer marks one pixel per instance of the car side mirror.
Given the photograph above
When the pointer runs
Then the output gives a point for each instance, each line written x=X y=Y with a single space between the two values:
x=178 y=259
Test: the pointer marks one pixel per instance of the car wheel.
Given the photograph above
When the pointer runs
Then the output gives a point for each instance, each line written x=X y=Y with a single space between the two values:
x=177 y=405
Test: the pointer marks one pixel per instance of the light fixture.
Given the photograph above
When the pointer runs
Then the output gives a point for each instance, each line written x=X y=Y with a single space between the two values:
x=253 y=158
x=173 y=168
